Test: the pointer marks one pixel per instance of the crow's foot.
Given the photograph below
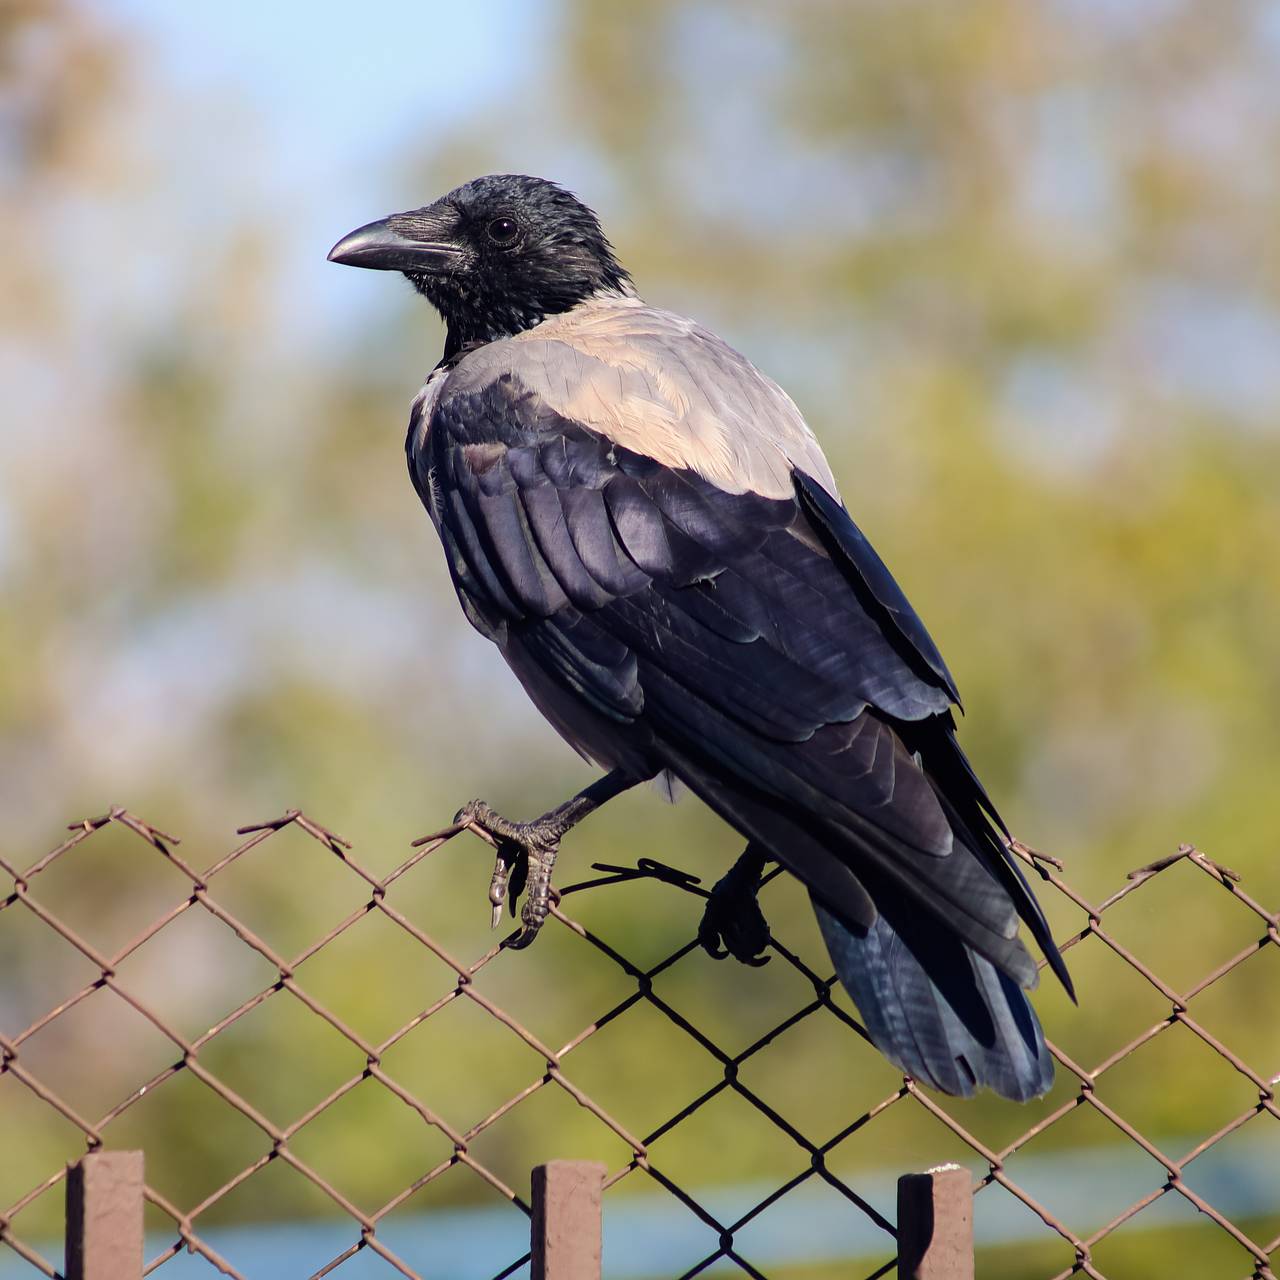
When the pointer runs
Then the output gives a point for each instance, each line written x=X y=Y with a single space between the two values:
x=732 y=923
x=526 y=854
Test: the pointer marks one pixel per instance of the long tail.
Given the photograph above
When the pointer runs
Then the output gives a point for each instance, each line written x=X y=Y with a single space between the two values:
x=938 y=1010
x=924 y=944
x=931 y=1001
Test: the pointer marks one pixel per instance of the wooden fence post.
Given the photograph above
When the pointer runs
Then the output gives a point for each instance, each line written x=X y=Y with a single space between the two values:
x=566 y=1228
x=104 y=1216
x=935 y=1225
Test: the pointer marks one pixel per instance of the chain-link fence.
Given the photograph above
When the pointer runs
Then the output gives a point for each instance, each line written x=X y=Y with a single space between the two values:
x=815 y=1145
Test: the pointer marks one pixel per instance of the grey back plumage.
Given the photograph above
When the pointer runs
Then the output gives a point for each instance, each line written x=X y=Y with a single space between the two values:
x=660 y=385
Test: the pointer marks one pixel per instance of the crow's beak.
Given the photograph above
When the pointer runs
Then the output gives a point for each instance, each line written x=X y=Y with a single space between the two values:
x=379 y=246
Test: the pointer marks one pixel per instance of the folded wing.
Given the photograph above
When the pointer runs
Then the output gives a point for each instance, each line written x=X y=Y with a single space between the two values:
x=766 y=660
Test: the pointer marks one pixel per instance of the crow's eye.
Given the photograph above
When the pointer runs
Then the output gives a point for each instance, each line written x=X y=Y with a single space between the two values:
x=502 y=230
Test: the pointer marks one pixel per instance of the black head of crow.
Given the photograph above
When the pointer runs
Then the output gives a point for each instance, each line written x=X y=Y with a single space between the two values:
x=493 y=257
x=645 y=526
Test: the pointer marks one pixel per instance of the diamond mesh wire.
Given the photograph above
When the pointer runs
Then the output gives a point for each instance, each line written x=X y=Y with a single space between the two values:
x=808 y=1160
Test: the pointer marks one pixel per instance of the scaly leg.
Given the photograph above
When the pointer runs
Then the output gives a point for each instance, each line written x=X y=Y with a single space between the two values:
x=527 y=850
x=733 y=924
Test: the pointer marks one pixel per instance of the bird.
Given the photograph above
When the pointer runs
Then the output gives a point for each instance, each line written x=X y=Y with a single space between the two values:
x=650 y=533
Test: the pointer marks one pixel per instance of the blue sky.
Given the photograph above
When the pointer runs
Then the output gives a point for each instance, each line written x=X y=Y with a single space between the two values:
x=365 y=79
x=322 y=113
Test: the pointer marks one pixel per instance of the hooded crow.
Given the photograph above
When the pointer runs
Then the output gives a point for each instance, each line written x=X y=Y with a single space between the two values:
x=649 y=532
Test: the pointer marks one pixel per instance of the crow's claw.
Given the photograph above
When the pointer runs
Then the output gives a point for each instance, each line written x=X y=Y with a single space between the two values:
x=526 y=853
x=732 y=923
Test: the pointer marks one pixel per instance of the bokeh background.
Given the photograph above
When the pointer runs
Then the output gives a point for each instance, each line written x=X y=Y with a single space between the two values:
x=1017 y=260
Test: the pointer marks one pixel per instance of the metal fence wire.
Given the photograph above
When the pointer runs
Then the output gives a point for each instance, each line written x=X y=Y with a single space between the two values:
x=809 y=1155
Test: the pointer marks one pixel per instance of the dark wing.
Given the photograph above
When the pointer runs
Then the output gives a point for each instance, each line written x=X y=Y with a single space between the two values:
x=757 y=647
x=876 y=586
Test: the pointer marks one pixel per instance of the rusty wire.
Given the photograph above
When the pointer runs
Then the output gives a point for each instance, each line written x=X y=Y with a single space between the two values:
x=374 y=897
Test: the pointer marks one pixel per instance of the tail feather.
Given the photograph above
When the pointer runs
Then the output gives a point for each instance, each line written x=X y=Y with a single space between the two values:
x=938 y=1010
x=925 y=944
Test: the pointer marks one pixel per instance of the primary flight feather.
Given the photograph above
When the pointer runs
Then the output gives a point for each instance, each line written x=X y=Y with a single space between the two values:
x=647 y=529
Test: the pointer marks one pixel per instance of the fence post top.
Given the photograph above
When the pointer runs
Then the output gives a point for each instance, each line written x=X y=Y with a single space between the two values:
x=565 y=1229
x=573 y=1168
x=935 y=1224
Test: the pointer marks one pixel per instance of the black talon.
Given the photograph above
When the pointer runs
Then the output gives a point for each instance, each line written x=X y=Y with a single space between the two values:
x=733 y=917
x=525 y=855
x=525 y=852
x=519 y=879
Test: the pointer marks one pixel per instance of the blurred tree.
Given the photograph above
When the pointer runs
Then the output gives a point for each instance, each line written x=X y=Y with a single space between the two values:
x=1016 y=261
x=1017 y=265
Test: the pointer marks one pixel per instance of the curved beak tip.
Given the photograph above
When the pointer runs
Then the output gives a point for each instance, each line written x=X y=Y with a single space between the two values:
x=367 y=246
x=378 y=246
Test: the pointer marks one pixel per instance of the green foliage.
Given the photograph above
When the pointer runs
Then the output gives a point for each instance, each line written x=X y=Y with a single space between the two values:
x=1011 y=258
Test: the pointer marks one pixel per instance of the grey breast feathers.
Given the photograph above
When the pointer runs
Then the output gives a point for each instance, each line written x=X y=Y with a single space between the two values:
x=659 y=385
